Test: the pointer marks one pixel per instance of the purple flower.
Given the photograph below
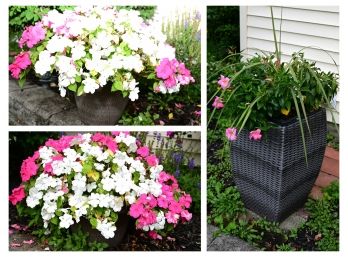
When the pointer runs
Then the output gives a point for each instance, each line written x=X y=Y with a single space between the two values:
x=178 y=157
x=191 y=164
x=170 y=134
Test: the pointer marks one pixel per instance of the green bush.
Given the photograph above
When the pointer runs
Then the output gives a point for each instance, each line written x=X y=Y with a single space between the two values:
x=223 y=31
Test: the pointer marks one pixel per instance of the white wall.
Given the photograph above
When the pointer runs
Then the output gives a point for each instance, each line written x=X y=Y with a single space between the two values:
x=302 y=26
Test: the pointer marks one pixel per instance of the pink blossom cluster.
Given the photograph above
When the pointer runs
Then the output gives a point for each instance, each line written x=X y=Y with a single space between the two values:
x=172 y=72
x=21 y=62
x=18 y=194
x=32 y=35
x=108 y=141
x=231 y=134
x=173 y=202
x=62 y=143
x=29 y=168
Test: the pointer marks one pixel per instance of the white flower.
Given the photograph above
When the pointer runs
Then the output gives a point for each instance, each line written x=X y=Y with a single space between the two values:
x=106 y=228
x=91 y=186
x=79 y=184
x=134 y=94
x=108 y=184
x=90 y=85
x=66 y=221
x=99 y=166
x=44 y=63
x=78 y=51
x=116 y=204
x=57 y=44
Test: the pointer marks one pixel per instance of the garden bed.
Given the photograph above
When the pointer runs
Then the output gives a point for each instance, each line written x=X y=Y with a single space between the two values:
x=318 y=230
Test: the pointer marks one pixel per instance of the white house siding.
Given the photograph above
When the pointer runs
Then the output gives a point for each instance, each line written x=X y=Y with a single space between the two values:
x=310 y=28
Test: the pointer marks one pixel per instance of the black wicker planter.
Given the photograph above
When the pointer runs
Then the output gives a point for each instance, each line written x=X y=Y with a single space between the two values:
x=272 y=175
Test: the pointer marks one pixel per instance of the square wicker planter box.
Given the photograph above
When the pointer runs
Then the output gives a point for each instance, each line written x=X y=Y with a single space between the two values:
x=271 y=174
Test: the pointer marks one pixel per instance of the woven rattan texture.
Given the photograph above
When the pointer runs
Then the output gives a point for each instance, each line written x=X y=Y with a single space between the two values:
x=271 y=174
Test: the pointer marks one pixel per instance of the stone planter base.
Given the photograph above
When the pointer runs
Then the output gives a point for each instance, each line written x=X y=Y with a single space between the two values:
x=272 y=175
x=101 y=108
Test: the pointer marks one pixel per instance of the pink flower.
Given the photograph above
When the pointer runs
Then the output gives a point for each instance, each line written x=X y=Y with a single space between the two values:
x=143 y=151
x=172 y=217
x=185 y=200
x=153 y=234
x=162 y=201
x=28 y=242
x=21 y=62
x=186 y=215
x=28 y=169
x=152 y=160
x=218 y=103
x=224 y=82
x=136 y=210
x=151 y=201
x=231 y=134
x=164 y=70
x=32 y=35
x=198 y=113
x=170 y=81
x=62 y=143
x=18 y=194
x=255 y=134
x=16 y=226
x=175 y=207
x=105 y=140
x=15 y=245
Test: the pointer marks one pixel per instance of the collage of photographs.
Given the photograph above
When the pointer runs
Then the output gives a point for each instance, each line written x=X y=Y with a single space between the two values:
x=172 y=127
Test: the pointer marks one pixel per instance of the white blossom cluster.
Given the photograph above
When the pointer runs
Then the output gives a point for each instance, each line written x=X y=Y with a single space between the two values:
x=87 y=176
x=93 y=46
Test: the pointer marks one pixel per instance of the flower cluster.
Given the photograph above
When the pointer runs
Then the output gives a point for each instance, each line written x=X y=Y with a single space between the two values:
x=94 y=47
x=95 y=176
x=173 y=74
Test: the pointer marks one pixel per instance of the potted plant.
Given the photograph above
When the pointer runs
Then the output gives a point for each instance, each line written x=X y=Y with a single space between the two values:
x=103 y=55
x=275 y=113
x=99 y=181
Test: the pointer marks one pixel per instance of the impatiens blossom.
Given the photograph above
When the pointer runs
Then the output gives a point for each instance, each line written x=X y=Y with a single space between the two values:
x=255 y=134
x=32 y=35
x=143 y=151
x=21 y=62
x=224 y=82
x=28 y=169
x=74 y=177
x=218 y=104
x=18 y=194
x=152 y=160
x=231 y=134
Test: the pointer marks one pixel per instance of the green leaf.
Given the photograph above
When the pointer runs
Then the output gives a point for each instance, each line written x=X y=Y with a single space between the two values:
x=93 y=222
x=54 y=220
x=73 y=87
x=80 y=91
x=78 y=78
x=136 y=176
x=151 y=76
x=117 y=85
